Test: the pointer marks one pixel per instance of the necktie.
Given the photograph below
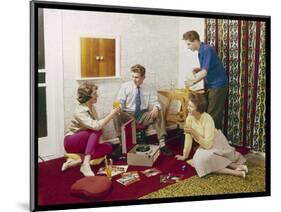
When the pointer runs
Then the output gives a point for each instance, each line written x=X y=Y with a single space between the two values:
x=138 y=104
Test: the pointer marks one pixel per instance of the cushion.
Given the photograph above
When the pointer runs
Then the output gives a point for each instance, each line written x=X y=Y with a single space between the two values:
x=93 y=187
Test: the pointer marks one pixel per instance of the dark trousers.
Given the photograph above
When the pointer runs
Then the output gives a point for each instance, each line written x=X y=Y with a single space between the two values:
x=216 y=99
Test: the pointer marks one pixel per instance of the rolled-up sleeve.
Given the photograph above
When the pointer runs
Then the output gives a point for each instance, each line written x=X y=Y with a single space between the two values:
x=206 y=58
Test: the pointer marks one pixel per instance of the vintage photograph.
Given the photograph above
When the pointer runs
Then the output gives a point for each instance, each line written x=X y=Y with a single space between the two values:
x=134 y=105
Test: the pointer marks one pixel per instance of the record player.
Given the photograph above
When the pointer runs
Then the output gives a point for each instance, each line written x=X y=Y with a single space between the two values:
x=137 y=154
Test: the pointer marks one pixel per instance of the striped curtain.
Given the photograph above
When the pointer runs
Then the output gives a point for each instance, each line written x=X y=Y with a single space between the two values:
x=241 y=47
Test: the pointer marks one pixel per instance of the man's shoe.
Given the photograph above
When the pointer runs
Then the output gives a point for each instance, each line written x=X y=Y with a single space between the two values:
x=166 y=151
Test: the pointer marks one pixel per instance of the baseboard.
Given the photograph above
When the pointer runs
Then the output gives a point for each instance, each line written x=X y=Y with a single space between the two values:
x=50 y=157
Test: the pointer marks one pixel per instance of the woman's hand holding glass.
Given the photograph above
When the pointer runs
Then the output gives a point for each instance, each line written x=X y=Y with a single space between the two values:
x=188 y=129
x=117 y=107
x=192 y=132
x=116 y=110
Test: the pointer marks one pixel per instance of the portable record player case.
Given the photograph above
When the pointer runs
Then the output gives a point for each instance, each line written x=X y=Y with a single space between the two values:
x=129 y=146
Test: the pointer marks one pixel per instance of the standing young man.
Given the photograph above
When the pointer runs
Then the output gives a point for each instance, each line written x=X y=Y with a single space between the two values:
x=213 y=73
x=140 y=102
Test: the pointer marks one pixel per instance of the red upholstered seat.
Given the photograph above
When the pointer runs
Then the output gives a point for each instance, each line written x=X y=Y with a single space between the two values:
x=94 y=187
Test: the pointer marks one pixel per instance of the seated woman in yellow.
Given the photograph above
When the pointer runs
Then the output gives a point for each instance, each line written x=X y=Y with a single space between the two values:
x=214 y=154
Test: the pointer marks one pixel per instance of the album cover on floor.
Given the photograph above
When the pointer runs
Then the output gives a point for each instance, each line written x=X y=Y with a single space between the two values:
x=195 y=85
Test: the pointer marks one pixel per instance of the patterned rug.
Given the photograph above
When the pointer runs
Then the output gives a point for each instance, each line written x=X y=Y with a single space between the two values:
x=215 y=184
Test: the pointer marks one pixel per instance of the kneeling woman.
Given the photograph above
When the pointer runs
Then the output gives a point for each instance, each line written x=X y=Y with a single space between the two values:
x=86 y=129
x=214 y=154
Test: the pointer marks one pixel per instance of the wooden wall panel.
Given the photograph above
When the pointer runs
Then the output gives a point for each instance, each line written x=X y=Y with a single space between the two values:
x=107 y=50
x=89 y=52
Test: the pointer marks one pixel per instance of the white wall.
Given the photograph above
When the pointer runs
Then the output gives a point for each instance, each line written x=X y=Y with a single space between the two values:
x=188 y=59
x=148 y=40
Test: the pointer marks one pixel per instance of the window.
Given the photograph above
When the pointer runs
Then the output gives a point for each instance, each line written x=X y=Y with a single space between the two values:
x=42 y=111
x=41 y=46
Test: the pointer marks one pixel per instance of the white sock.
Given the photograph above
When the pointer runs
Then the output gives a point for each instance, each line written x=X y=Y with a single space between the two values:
x=70 y=163
x=86 y=170
x=162 y=142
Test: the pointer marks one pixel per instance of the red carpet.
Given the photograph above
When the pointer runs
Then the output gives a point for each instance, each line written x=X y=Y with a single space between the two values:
x=54 y=186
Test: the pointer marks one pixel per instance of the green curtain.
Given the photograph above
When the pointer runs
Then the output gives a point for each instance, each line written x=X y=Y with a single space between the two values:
x=241 y=48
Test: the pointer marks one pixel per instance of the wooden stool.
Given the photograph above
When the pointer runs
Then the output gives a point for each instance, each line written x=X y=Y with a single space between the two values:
x=179 y=95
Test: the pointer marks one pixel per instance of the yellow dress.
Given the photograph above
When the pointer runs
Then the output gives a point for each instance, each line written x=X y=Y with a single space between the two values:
x=214 y=152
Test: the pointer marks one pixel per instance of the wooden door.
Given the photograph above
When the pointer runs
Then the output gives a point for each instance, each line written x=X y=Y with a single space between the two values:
x=89 y=57
x=107 y=60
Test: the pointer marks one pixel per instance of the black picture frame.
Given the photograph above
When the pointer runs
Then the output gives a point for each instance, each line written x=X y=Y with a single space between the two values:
x=35 y=6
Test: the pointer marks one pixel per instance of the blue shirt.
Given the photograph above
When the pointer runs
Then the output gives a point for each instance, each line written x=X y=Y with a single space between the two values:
x=209 y=60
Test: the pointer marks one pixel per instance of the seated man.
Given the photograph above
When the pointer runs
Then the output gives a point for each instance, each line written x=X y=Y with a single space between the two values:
x=136 y=99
